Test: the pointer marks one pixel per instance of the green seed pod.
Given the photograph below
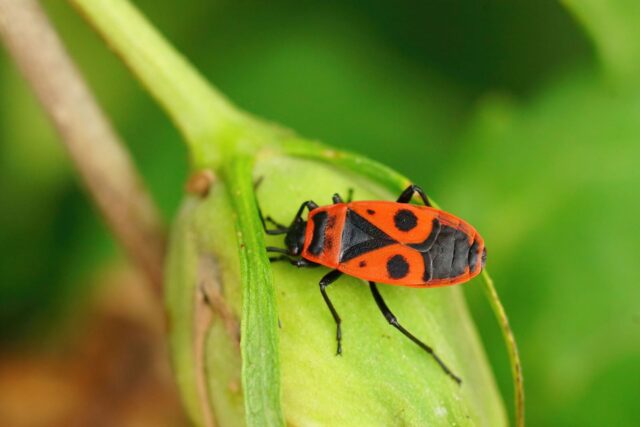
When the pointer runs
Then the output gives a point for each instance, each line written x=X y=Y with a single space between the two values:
x=381 y=378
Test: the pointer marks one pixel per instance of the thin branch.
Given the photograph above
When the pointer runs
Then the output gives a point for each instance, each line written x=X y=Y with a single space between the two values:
x=103 y=163
x=512 y=347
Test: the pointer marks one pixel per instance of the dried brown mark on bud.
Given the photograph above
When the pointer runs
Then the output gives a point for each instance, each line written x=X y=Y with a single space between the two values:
x=199 y=183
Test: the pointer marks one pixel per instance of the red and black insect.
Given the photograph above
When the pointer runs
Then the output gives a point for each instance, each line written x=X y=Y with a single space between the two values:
x=396 y=243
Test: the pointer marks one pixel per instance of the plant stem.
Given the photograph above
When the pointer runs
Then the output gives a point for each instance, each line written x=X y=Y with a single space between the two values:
x=103 y=163
x=512 y=347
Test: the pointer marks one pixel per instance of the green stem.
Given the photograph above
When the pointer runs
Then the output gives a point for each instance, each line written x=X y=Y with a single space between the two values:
x=360 y=164
x=259 y=325
x=512 y=347
x=199 y=111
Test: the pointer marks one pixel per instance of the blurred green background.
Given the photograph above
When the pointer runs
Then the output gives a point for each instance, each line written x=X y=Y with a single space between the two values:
x=521 y=117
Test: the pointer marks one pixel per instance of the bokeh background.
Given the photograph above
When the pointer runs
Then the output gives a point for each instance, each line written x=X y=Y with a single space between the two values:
x=522 y=117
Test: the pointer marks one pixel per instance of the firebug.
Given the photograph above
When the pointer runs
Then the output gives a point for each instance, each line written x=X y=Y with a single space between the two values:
x=395 y=243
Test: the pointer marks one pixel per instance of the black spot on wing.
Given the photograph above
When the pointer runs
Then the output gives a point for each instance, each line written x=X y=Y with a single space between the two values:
x=371 y=212
x=397 y=267
x=362 y=264
x=405 y=220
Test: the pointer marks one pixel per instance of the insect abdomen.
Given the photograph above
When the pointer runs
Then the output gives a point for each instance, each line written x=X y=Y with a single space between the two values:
x=449 y=253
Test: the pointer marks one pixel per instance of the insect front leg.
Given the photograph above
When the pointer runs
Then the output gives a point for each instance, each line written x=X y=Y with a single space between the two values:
x=272 y=232
x=273 y=222
x=349 y=195
x=328 y=279
x=280 y=229
x=309 y=204
x=393 y=321
x=337 y=199
x=298 y=262
x=407 y=195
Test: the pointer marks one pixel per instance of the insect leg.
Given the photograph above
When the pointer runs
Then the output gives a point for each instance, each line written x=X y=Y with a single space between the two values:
x=337 y=199
x=277 y=250
x=407 y=194
x=281 y=229
x=300 y=263
x=273 y=232
x=272 y=221
x=393 y=321
x=309 y=204
x=328 y=279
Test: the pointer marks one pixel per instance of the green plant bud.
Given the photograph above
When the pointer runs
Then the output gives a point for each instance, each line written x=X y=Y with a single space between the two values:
x=381 y=379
